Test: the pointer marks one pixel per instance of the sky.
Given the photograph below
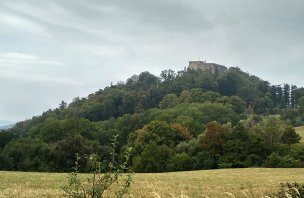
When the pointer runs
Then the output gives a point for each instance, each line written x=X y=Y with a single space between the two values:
x=60 y=49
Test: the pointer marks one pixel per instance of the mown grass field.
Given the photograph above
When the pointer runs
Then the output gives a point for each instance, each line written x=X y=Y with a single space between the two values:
x=251 y=182
x=300 y=131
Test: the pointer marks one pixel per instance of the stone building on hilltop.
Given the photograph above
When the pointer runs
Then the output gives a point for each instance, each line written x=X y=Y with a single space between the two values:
x=213 y=67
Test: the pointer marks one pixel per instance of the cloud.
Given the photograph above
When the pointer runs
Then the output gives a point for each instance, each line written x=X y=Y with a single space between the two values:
x=14 y=55
x=22 y=66
x=21 y=97
x=17 y=22
x=14 y=59
x=54 y=50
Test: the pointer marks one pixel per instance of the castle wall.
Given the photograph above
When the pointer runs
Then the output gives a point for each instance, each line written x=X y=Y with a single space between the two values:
x=213 y=67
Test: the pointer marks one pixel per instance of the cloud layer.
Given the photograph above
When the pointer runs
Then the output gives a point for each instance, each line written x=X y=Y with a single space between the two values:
x=54 y=50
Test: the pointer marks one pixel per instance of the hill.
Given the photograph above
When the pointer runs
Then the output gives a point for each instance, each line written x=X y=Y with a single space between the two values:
x=7 y=126
x=186 y=120
x=5 y=123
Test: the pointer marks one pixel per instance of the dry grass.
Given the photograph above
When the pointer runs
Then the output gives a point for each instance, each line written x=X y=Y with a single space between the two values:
x=300 y=131
x=251 y=182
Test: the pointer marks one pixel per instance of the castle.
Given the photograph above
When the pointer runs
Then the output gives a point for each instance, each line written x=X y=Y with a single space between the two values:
x=213 y=67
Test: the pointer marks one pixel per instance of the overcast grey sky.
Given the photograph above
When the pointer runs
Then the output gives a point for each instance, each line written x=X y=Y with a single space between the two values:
x=59 y=49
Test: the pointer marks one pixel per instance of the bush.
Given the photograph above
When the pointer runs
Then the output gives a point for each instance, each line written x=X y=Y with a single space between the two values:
x=182 y=162
x=274 y=160
x=100 y=183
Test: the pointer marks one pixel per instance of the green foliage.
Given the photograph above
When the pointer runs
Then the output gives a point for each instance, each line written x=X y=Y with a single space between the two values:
x=290 y=136
x=5 y=137
x=157 y=131
x=182 y=162
x=241 y=149
x=169 y=101
x=276 y=161
x=291 y=116
x=237 y=103
x=213 y=139
x=270 y=129
x=301 y=105
x=153 y=158
x=200 y=96
x=263 y=105
x=23 y=155
x=98 y=185
x=65 y=150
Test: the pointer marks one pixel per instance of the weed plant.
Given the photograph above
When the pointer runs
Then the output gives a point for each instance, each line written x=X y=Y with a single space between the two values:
x=99 y=185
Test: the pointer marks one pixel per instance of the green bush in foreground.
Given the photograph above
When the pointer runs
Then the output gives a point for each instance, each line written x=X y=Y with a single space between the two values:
x=99 y=184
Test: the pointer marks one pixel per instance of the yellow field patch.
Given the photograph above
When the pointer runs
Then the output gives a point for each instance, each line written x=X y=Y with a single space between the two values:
x=249 y=182
x=300 y=131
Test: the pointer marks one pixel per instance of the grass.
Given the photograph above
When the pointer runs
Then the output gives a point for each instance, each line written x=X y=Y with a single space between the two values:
x=250 y=182
x=300 y=131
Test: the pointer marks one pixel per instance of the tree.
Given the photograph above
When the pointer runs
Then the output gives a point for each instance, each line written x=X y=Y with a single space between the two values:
x=157 y=131
x=168 y=101
x=182 y=162
x=153 y=158
x=213 y=139
x=263 y=105
x=23 y=154
x=147 y=80
x=185 y=97
x=270 y=129
x=77 y=102
x=109 y=109
x=236 y=148
x=290 y=115
x=182 y=133
x=280 y=93
x=227 y=85
x=293 y=96
x=6 y=137
x=286 y=95
x=237 y=103
x=168 y=75
x=301 y=105
x=62 y=105
x=290 y=136
x=65 y=150
x=263 y=86
x=274 y=95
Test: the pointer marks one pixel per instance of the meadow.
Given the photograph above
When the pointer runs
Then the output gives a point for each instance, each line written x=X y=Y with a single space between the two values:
x=300 y=131
x=249 y=182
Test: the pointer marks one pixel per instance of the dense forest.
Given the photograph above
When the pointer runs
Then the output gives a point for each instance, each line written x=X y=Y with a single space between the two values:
x=186 y=120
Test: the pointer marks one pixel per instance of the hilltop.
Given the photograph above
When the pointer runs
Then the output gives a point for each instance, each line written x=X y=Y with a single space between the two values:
x=187 y=120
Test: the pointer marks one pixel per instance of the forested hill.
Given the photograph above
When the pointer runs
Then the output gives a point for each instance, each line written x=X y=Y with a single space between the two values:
x=186 y=120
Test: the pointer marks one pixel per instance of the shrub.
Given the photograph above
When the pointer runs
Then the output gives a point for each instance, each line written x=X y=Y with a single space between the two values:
x=290 y=136
x=274 y=160
x=182 y=162
x=98 y=184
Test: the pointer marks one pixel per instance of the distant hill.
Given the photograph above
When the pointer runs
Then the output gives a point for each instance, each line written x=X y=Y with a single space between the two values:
x=7 y=126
